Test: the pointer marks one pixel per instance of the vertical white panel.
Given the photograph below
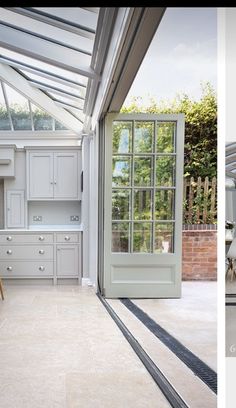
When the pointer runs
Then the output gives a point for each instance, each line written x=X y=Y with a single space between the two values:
x=40 y=175
x=15 y=209
x=66 y=175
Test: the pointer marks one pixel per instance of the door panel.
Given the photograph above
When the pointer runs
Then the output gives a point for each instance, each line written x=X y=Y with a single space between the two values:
x=143 y=205
x=41 y=175
x=15 y=209
x=66 y=175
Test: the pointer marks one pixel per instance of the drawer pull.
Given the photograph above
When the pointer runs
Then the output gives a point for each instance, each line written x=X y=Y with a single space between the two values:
x=9 y=268
x=42 y=268
x=41 y=251
x=41 y=238
x=9 y=252
x=9 y=238
x=67 y=238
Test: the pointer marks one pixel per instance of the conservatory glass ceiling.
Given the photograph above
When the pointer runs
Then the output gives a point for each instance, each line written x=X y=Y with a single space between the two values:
x=230 y=161
x=55 y=51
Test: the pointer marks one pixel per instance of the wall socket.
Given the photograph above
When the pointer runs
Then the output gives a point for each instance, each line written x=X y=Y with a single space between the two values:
x=74 y=218
x=37 y=217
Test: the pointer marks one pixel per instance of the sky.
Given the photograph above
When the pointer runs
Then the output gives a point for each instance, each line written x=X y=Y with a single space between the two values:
x=183 y=53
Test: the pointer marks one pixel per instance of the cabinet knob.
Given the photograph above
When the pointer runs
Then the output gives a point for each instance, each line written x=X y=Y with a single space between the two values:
x=9 y=251
x=41 y=251
x=67 y=238
x=9 y=238
x=55 y=182
x=9 y=268
x=41 y=238
x=42 y=268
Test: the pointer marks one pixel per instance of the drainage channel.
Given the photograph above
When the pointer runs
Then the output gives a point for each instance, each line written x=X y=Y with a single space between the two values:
x=199 y=368
x=172 y=396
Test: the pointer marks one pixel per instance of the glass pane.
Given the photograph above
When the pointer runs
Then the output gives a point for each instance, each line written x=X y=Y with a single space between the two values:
x=142 y=171
x=142 y=205
x=122 y=137
x=164 y=205
x=121 y=171
x=164 y=238
x=42 y=120
x=4 y=118
x=121 y=205
x=19 y=110
x=120 y=237
x=60 y=126
x=143 y=137
x=79 y=103
x=165 y=171
x=165 y=139
x=142 y=237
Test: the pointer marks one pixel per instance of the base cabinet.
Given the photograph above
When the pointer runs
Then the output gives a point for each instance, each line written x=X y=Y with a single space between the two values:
x=37 y=255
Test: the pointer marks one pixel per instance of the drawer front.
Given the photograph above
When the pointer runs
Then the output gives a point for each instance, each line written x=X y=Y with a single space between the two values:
x=26 y=238
x=11 y=269
x=67 y=237
x=23 y=252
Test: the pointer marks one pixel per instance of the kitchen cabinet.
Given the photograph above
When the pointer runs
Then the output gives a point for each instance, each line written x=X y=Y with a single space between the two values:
x=15 y=214
x=54 y=175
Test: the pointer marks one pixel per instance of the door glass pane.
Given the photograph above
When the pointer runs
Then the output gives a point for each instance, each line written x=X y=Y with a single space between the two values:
x=120 y=237
x=122 y=137
x=164 y=238
x=165 y=138
x=165 y=171
x=142 y=204
x=142 y=237
x=121 y=171
x=143 y=137
x=142 y=171
x=121 y=205
x=164 y=205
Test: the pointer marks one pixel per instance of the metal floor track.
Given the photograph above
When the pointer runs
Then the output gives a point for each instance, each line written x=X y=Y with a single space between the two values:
x=172 y=396
x=199 y=368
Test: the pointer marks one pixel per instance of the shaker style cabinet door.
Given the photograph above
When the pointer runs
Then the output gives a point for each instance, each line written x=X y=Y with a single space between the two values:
x=15 y=214
x=40 y=175
x=66 y=175
x=67 y=260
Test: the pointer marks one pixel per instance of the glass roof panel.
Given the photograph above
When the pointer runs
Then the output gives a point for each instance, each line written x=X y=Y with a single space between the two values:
x=4 y=117
x=43 y=65
x=77 y=103
x=19 y=109
x=71 y=40
x=59 y=126
x=41 y=119
x=74 y=15
x=77 y=91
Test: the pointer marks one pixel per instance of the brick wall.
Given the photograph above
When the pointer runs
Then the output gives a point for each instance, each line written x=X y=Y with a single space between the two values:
x=199 y=254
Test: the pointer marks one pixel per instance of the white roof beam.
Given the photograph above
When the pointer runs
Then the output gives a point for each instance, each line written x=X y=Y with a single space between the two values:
x=54 y=89
x=54 y=21
x=41 y=72
x=44 y=51
x=20 y=84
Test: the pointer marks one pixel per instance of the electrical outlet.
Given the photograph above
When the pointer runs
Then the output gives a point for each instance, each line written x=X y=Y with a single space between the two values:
x=37 y=218
x=74 y=218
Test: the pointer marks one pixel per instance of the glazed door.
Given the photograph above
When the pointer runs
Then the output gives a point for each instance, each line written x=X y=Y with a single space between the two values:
x=143 y=185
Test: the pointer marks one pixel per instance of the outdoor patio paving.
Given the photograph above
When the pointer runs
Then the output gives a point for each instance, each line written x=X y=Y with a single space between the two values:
x=60 y=348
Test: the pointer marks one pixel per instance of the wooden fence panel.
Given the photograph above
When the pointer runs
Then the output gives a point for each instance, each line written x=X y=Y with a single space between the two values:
x=200 y=201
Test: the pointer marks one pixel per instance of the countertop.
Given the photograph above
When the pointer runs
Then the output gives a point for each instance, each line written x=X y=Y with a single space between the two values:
x=46 y=228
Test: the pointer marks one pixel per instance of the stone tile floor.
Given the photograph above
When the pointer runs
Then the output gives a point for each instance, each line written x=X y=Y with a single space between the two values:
x=59 y=348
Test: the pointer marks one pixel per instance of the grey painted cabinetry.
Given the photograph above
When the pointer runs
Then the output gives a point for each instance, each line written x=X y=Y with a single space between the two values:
x=40 y=255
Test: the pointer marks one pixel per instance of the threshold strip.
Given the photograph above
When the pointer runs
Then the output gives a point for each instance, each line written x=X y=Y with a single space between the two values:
x=165 y=386
x=199 y=368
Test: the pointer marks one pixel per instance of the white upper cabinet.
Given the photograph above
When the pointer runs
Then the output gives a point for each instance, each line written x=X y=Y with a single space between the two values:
x=53 y=175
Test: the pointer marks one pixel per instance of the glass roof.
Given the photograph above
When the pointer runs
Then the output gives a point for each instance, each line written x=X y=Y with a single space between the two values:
x=18 y=113
x=52 y=49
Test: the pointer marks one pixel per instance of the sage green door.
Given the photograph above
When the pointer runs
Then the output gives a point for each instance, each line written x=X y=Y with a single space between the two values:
x=143 y=205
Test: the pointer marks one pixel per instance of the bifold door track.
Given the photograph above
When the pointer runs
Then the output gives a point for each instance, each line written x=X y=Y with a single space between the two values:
x=199 y=368
x=165 y=386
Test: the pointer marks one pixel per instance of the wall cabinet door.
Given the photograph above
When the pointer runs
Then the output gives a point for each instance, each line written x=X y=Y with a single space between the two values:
x=66 y=175
x=41 y=175
x=15 y=214
x=67 y=260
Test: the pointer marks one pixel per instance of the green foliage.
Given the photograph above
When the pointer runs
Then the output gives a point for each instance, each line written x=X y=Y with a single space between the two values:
x=200 y=128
